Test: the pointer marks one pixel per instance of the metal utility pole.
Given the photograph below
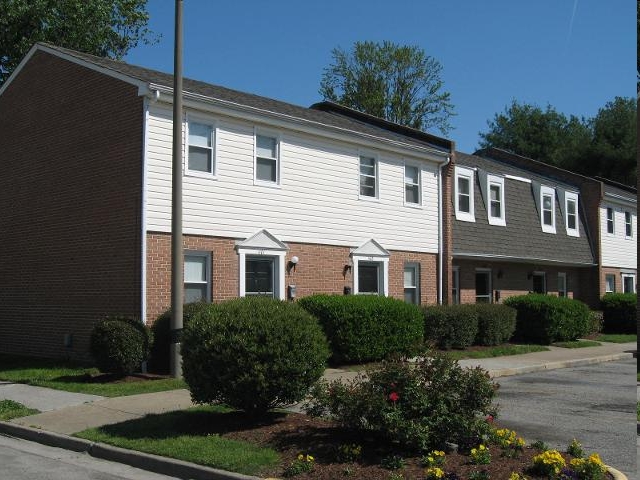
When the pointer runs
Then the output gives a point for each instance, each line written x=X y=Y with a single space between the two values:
x=177 y=284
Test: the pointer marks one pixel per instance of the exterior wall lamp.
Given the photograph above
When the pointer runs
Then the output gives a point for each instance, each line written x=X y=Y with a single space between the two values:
x=292 y=264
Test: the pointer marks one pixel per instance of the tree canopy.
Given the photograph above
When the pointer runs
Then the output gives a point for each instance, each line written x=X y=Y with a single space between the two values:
x=107 y=28
x=604 y=145
x=396 y=82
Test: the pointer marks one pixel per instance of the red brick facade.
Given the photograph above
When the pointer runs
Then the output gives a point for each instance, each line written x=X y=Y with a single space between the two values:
x=512 y=279
x=70 y=196
x=321 y=269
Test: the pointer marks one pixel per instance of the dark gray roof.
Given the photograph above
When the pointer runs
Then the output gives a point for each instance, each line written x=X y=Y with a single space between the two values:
x=354 y=122
x=625 y=191
x=522 y=237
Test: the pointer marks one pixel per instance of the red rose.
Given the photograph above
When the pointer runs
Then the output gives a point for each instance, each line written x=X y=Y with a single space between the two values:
x=489 y=418
x=394 y=397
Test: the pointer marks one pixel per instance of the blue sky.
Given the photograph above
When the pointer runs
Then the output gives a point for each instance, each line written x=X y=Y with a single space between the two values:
x=573 y=54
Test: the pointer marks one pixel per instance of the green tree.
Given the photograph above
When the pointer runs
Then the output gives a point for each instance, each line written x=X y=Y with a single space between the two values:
x=398 y=83
x=107 y=28
x=604 y=145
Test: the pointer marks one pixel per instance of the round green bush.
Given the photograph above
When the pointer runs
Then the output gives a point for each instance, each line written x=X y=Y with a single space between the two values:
x=120 y=344
x=496 y=323
x=619 y=313
x=161 y=329
x=253 y=354
x=451 y=326
x=366 y=328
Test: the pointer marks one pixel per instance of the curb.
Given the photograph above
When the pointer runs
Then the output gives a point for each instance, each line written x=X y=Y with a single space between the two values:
x=144 y=461
x=505 y=372
x=617 y=474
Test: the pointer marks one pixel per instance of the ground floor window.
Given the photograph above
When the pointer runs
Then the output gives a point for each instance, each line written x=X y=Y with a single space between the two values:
x=539 y=282
x=455 y=286
x=370 y=278
x=609 y=283
x=562 y=284
x=412 y=283
x=197 y=277
x=370 y=269
x=261 y=265
x=628 y=283
x=483 y=286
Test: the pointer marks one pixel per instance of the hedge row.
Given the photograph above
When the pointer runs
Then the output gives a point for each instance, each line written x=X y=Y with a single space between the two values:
x=619 y=313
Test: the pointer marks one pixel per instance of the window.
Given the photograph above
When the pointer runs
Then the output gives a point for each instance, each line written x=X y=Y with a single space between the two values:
x=547 y=209
x=200 y=153
x=628 y=226
x=368 y=177
x=571 y=211
x=369 y=278
x=496 y=200
x=609 y=283
x=628 y=283
x=464 y=204
x=455 y=287
x=412 y=283
x=562 y=284
x=266 y=159
x=483 y=286
x=259 y=276
x=539 y=282
x=411 y=185
x=197 y=277
x=370 y=269
x=610 y=221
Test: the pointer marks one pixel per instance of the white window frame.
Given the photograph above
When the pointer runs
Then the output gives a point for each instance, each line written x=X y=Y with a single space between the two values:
x=611 y=220
x=612 y=277
x=267 y=134
x=375 y=176
x=415 y=267
x=628 y=225
x=489 y=274
x=208 y=280
x=214 y=141
x=495 y=181
x=413 y=185
x=550 y=192
x=632 y=277
x=469 y=175
x=568 y=198
x=564 y=289
x=278 y=265
x=383 y=272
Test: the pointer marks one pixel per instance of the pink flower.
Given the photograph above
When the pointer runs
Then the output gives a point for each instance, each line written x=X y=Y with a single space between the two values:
x=490 y=418
x=394 y=397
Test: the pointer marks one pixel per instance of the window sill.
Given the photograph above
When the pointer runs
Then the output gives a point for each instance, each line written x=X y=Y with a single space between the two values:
x=367 y=198
x=260 y=183
x=198 y=174
x=498 y=222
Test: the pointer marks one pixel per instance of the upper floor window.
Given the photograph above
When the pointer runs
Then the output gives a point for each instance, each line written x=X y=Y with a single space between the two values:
x=548 y=209
x=496 y=205
x=411 y=185
x=464 y=204
x=368 y=177
x=628 y=226
x=610 y=221
x=200 y=153
x=267 y=153
x=571 y=210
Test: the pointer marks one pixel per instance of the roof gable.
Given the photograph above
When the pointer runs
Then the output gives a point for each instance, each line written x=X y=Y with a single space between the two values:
x=370 y=248
x=263 y=240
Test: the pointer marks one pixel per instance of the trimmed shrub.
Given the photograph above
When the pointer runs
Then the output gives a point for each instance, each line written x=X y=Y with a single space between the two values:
x=420 y=406
x=120 y=344
x=161 y=329
x=619 y=312
x=252 y=353
x=365 y=328
x=496 y=323
x=544 y=319
x=451 y=326
x=597 y=321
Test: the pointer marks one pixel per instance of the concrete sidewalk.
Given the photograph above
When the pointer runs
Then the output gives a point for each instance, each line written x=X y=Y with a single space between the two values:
x=64 y=413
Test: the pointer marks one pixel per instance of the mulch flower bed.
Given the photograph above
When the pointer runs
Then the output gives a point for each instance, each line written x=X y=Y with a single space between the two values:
x=295 y=434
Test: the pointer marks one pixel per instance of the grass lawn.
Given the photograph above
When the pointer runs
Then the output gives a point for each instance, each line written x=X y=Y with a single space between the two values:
x=186 y=435
x=617 y=337
x=577 y=344
x=497 y=351
x=10 y=409
x=74 y=378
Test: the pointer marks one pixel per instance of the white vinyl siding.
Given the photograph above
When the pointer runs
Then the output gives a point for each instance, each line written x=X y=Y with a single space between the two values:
x=317 y=201
x=618 y=250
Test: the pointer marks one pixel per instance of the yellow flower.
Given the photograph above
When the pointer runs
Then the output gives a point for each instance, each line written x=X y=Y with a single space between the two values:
x=301 y=457
x=310 y=458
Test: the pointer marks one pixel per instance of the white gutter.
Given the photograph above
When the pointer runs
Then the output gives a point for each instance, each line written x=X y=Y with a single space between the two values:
x=440 y=235
x=509 y=258
x=143 y=215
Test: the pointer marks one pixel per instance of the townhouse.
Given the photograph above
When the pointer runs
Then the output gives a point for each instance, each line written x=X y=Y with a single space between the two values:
x=278 y=200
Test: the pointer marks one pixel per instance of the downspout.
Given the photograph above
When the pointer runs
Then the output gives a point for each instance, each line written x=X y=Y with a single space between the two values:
x=143 y=220
x=440 y=234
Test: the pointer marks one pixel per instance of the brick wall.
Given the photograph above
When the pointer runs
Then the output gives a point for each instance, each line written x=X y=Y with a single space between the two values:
x=321 y=269
x=513 y=279
x=70 y=196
